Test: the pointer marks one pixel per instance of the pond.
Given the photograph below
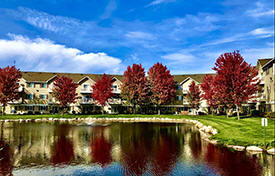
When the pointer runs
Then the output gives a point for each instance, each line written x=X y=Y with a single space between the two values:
x=120 y=149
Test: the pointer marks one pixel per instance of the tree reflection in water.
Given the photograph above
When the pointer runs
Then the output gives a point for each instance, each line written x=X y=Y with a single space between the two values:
x=166 y=153
x=232 y=163
x=6 y=155
x=100 y=148
x=144 y=149
x=62 y=149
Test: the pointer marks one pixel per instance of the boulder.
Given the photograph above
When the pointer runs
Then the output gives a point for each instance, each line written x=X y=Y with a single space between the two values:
x=271 y=151
x=239 y=148
x=254 y=149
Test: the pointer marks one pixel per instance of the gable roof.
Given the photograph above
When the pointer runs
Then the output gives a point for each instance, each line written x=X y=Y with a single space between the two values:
x=262 y=62
x=47 y=76
x=76 y=77
x=196 y=77
x=269 y=62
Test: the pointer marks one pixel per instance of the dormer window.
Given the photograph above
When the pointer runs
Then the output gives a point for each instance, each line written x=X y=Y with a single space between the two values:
x=31 y=85
x=114 y=87
x=85 y=86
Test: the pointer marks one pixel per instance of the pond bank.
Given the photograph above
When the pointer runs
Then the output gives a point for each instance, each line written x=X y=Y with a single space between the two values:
x=215 y=129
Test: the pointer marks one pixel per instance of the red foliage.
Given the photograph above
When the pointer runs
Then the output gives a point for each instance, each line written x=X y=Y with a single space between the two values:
x=134 y=86
x=62 y=151
x=193 y=95
x=165 y=156
x=162 y=84
x=236 y=80
x=102 y=89
x=209 y=91
x=65 y=90
x=101 y=150
x=9 y=78
x=6 y=155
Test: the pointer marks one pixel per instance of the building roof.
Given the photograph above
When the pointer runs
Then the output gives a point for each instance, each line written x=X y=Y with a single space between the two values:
x=196 y=77
x=262 y=62
x=47 y=76
x=269 y=62
x=76 y=77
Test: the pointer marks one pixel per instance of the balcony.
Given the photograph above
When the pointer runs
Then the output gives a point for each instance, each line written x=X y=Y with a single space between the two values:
x=184 y=91
x=85 y=90
x=114 y=101
x=116 y=91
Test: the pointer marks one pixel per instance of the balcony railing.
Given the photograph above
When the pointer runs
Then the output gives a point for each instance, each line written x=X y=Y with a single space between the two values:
x=86 y=90
x=117 y=91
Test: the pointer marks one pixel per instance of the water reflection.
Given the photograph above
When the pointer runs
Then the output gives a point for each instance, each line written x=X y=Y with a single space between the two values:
x=100 y=148
x=120 y=149
x=6 y=156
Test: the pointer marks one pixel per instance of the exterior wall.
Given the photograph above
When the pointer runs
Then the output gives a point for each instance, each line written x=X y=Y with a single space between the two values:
x=269 y=87
x=85 y=103
x=185 y=89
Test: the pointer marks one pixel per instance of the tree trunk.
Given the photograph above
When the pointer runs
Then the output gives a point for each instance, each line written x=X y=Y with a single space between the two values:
x=102 y=110
x=238 y=112
x=4 y=109
x=134 y=110
x=158 y=110
x=227 y=113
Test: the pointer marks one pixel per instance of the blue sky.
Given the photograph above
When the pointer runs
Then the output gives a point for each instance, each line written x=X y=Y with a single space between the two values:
x=94 y=36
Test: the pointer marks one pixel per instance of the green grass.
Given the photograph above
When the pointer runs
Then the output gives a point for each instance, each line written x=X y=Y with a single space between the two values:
x=247 y=131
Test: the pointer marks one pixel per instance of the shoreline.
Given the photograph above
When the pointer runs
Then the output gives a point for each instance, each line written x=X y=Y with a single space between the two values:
x=206 y=131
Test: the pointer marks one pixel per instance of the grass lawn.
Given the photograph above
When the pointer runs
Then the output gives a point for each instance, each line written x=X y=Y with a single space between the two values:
x=247 y=131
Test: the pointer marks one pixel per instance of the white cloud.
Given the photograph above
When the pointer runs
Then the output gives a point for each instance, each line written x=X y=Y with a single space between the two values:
x=44 y=55
x=253 y=54
x=265 y=32
x=140 y=35
x=254 y=34
x=111 y=6
x=45 y=21
x=260 y=11
x=179 y=58
x=157 y=2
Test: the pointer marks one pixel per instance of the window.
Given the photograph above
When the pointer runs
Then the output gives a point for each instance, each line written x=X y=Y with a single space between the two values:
x=43 y=96
x=179 y=97
x=267 y=70
x=30 y=96
x=31 y=85
x=114 y=87
x=44 y=85
x=85 y=86
x=179 y=87
x=86 y=98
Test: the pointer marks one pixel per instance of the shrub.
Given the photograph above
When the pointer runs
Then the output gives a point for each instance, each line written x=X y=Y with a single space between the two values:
x=270 y=115
x=255 y=112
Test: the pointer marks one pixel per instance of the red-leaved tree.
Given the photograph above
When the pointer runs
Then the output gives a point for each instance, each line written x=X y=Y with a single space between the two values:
x=194 y=96
x=236 y=80
x=162 y=85
x=9 y=78
x=134 y=86
x=102 y=90
x=65 y=91
x=209 y=92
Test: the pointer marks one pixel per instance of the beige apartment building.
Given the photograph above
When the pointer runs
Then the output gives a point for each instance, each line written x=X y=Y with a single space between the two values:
x=267 y=75
x=36 y=92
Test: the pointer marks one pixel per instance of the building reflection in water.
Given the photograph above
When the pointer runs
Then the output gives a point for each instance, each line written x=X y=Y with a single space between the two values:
x=127 y=148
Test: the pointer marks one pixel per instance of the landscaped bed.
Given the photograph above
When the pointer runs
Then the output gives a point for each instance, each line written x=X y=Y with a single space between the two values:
x=244 y=132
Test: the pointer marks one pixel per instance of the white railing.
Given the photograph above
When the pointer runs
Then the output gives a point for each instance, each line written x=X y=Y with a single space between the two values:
x=86 y=90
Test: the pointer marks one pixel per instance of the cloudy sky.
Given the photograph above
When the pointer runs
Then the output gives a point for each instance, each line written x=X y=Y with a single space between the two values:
x=92 y=36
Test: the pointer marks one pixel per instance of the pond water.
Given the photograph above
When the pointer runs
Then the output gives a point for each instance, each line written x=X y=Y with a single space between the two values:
x=120 y=149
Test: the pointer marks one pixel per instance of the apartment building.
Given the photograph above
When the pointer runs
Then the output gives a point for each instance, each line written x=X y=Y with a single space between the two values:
x=267 y=76
x=36 y=92
x=37 y=87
